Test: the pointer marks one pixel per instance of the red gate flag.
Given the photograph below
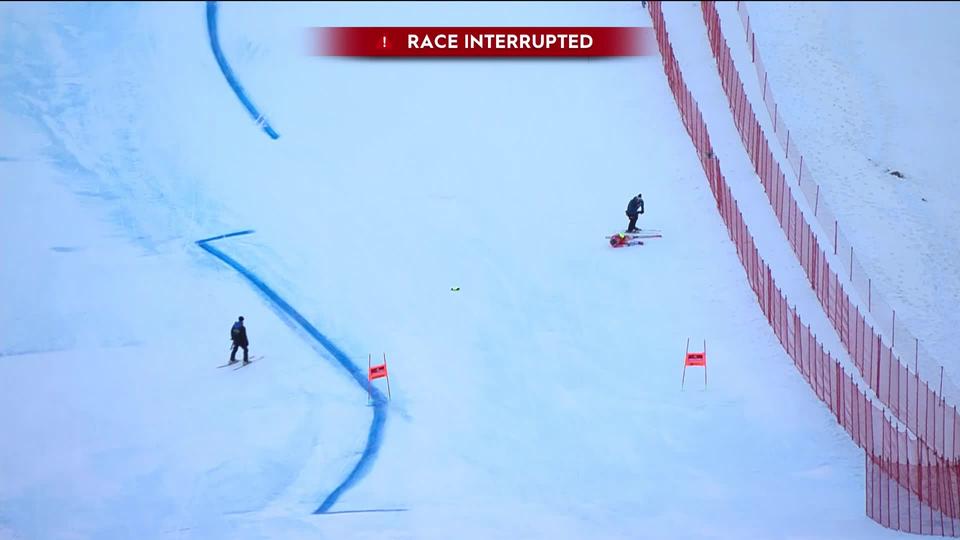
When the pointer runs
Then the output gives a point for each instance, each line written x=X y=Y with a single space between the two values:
x=423 y=41
x=696 y=359
x=377 y=372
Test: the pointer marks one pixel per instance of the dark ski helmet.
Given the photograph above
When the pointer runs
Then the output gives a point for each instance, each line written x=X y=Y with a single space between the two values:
x=241 y=318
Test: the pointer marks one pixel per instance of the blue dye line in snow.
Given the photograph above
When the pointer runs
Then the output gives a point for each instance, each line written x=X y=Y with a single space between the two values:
x=375 y=435
x=228 y=235
x=228 y=73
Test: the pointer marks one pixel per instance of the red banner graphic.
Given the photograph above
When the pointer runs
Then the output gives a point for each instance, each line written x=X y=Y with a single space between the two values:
x=482 y=41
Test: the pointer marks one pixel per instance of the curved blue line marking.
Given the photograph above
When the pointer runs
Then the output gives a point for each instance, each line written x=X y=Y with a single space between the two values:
x=285 y=310
x=228 y=73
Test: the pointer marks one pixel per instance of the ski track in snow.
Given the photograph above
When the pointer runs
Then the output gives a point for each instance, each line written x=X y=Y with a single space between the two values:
x=285 y=310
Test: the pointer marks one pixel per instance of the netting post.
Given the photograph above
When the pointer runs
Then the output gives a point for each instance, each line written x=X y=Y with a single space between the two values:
x=834 y=231
x=893 y=324
x=909 y=495
x=837 y=395
x=898 y=488
x=940 y=494
x=953 y=444
x=936 y=465
x=929 y=483
x=851 y=264
x=926 y=417
x=917 y=403
x=878 y=362
x=907 y=407
x=951 y=501
x=943 y=418
x=889 y=371
x=868 y=483
x=921 y=495
x=886 y=429
x=857 y=419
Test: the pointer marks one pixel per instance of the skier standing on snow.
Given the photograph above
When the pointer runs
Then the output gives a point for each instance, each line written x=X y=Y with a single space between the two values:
x=634 y=209
x=238 y=334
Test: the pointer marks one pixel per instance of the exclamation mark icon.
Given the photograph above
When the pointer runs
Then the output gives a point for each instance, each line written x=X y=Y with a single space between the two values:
x=384 y=42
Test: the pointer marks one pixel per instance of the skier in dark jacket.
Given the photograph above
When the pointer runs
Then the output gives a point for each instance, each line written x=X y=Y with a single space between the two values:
x=634 y=209
x=238 y=334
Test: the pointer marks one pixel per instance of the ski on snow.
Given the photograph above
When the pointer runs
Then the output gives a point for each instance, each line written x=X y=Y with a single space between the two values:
x=252 y=358
x=643 y=233
x=639 y=235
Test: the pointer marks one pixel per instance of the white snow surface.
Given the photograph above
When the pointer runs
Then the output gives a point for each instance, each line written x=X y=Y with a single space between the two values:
x=866 y=90
x=541 y=400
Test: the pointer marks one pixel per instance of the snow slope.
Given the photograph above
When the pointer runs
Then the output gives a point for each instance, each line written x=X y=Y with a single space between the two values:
x=887 y=107
x=542 y=400
x=699 y=68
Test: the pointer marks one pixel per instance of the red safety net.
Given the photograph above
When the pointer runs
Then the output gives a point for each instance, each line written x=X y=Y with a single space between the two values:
x=886 y=372
x=910 y=484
